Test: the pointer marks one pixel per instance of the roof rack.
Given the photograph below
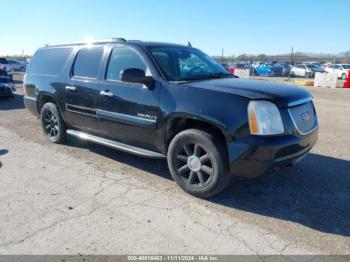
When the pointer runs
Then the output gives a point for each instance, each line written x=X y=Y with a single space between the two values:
x=114 y=39
x=92 y=41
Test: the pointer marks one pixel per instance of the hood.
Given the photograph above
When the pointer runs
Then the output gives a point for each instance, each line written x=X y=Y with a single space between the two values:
x=281 y=94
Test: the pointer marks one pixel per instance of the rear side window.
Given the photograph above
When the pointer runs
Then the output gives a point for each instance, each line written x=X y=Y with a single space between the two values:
x=49 y=61
x=87 y=62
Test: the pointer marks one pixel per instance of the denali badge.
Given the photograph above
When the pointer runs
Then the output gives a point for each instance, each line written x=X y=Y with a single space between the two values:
x=147 y=116
x=305 y=116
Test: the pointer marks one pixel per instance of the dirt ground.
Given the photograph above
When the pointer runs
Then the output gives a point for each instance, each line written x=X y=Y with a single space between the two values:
x=88 y=199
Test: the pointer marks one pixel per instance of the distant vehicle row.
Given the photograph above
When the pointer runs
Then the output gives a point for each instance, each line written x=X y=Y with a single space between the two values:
x=306 y=69
x=18 y=65
x=5 y=68
x=9 y=66
x=261 y=69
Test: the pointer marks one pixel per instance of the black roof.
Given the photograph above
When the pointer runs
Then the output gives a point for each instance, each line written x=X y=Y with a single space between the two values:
x=116 y=40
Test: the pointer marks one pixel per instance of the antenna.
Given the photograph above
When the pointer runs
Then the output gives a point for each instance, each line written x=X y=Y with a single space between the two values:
x=189 y=44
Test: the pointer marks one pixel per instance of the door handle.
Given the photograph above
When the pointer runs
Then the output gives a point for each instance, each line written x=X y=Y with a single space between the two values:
x=106 y=93
x=71 y=88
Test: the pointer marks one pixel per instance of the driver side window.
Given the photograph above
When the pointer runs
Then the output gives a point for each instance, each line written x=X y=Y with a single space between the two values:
x=122 y=58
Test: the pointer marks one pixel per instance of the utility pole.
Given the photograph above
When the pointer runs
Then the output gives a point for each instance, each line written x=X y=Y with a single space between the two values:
x=292 y=55
x=222 y=55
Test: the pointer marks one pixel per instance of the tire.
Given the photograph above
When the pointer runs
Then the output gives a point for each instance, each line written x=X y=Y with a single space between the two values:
x=197 y=162
x=292 y=74
x=343 y=76
x=52 y=123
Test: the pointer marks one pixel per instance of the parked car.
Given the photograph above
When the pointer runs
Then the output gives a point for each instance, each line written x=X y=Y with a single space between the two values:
x=3 y=71
x=6 y=86
x=224 y=65
x=269 y=70
x=286 y=67
x=232 y=67
x=342 y=70
x=17 y=65
x=5 y=65
x=250 y=67
x=305 y=70
x=318 y=64
x=133 y=96
x=257 y=64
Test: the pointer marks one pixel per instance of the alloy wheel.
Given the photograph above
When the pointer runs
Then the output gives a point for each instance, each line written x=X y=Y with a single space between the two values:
x=51 y=125
x=194 y=164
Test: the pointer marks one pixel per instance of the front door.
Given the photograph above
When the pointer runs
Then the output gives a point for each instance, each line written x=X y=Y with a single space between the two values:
x=82 y=92
x=128 y=112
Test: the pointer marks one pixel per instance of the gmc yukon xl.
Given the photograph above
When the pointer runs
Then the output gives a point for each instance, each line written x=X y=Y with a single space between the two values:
x=170 y=101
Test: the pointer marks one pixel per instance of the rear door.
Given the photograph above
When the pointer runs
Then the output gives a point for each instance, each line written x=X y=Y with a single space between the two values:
x=128 y=111
x=82 y=93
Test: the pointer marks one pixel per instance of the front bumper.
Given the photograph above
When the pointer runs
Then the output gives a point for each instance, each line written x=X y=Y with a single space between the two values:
x=255 y=156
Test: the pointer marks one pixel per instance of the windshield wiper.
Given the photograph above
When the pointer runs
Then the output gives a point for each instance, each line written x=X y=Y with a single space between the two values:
x=208 y=76
x=221 y=74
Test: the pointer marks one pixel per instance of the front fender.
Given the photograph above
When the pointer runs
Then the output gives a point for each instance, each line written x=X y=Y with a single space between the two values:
x=225 y=111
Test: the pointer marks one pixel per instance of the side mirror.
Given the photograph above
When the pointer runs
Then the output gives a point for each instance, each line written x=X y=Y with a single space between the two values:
x=135 y=75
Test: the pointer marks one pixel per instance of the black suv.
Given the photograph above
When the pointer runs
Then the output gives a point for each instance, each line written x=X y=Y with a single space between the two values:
x=170 y=101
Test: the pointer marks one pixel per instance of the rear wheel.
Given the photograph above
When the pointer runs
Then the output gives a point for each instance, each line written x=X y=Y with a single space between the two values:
x=292 y=74
x=197 y=162
x=52 y=123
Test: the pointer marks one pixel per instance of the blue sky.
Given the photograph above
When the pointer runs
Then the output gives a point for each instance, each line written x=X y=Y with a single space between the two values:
x=238 y=26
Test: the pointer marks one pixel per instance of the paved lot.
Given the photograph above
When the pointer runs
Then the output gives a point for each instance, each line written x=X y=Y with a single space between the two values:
x=84 y=198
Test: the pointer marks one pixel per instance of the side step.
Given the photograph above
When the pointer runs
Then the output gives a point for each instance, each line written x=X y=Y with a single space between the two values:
x=114 y=144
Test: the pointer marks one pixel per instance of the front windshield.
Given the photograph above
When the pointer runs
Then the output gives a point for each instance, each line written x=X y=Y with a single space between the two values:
x=186 y=63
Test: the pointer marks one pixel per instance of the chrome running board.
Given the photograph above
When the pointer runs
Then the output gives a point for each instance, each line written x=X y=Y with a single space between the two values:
x=114 y=144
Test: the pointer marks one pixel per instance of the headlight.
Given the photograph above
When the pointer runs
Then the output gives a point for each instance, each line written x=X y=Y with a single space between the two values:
x=264 y=118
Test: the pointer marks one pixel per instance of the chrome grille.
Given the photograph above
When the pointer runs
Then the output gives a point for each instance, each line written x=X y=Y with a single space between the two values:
x=304 y=117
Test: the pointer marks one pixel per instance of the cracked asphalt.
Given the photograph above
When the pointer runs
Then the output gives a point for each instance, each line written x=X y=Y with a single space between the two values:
x=81 y=198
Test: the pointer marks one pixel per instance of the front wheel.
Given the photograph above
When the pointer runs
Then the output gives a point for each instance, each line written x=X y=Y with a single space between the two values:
x=343 y=76
x=52 y=123
x=197 y=162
